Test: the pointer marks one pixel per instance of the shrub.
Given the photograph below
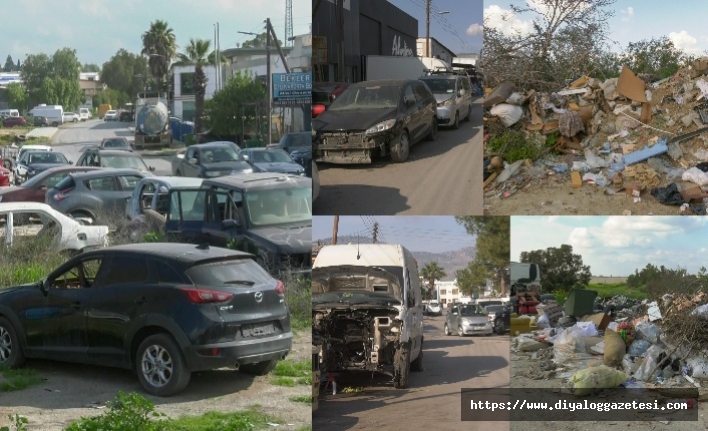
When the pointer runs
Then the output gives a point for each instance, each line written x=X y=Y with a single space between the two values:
x=127 y=412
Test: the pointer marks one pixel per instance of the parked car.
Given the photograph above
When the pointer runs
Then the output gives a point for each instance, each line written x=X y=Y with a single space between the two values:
x=467 y=319
x=5 y=178
x=268 y=215
x=298 y=141
x=111 y=115
x=127 y=116
x=323 y=93
x=384 y=117
x=85 y=114
x=303 y=158
x=215 y=159
x=71 y=117
x=453 y=95
x=500 y=317
x=14 y=121
x=31 y=147
x=35 y=189
x=33 y=162
x=152 y=193
x=117 y=159
x=92 y=195
x=434 y=308
x=271 y=160
x=117 y=143
x=231 y=312
x=40 y=121
x=61 y=231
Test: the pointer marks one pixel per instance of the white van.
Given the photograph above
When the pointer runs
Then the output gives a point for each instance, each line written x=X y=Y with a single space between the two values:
x=367 y=309
x=4 y=113
x=84 y=114
x=54 y=115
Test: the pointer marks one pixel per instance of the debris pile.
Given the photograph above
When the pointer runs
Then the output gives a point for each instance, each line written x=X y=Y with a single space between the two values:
x=629 y=133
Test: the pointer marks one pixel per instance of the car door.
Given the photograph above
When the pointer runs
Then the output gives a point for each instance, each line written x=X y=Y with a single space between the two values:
x=186 y=216
x=56 y=322
x=411 y=113
x=453 y=319
x=191 y=169
x=107 y=190
x=128 y=183
x=427 y=111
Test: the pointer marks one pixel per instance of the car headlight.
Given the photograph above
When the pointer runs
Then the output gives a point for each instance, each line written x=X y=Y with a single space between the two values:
x=466 y=321
x=381 y=127
x=447 y=102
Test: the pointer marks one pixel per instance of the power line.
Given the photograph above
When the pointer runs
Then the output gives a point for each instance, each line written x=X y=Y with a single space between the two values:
x=447 y=27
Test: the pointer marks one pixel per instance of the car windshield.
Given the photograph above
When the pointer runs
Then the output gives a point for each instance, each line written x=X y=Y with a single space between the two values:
x=441 y=86
x=279 y=206
x=125 y=162
x=270 y=156
x=115 y=143
x=218 y=154
x=47 y=157
x=493 y=308
x=471 y=310
x=374 y=97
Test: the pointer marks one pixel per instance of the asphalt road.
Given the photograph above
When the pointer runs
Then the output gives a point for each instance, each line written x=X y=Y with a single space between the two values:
x=71 y=138
x=443 y=177
x=432 y=401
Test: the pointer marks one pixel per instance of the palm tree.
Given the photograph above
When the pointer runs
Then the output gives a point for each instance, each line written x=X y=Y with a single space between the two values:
x=197 y=53
x=160 y=47
x=432 y=271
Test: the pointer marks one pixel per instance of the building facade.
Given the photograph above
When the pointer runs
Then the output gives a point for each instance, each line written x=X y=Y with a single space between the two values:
x=184 y=101
x=437 y=50
x=369 y=27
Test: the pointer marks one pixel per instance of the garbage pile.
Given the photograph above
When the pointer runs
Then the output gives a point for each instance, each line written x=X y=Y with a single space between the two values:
x=630 y=133
x=658 y=345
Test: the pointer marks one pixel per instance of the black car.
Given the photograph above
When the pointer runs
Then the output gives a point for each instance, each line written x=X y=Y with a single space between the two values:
x=179 y=309
x=35 y=161
x=303 y=158
x=40 y=121
x=384 y=117
x=501 y=316
x=271 y=160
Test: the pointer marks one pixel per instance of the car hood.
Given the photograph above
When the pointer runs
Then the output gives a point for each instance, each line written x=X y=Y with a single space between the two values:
x=443 y=97
x=286 y=239
x=360 y=119
x=283 y=167
x=225 y=166
x=43 y=166
x=354 y=286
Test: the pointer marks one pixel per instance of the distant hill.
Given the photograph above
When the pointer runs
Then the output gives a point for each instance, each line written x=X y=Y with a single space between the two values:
x=450 y=261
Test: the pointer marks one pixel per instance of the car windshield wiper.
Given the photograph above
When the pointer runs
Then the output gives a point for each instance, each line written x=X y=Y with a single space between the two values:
x=244 y=282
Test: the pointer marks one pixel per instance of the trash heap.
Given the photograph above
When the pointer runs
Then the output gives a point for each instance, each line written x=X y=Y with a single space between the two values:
x=659 y=345
x=631 y=133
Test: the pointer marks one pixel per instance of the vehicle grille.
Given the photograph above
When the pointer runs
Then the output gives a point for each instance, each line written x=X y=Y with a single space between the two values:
x=338 y=139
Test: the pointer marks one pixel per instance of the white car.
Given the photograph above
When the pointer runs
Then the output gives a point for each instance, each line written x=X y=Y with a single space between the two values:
x=71 y=117
x=84 y=114
x=111 y=115
x=18 y=219
x=434 y=308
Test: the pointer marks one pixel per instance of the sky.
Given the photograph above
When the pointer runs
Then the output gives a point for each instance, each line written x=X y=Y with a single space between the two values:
x=434 y=234
x=460 y=30
x=634 y=20
x=98 y=29
x=616 y=246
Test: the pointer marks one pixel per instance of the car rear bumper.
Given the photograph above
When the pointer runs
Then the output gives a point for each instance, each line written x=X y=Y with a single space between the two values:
x=239 y=352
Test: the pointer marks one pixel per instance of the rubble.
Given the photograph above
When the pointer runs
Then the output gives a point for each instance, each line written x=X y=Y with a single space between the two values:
x=625 y=133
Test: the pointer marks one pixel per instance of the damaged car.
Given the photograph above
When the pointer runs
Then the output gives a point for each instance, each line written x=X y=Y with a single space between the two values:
x=367 y=310
x=384 y=117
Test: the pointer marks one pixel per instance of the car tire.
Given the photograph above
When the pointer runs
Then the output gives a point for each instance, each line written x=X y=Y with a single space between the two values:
x=258 y=369
x=401 y=366
x=469 y=114
x=401 y=149
x=499 y=327
x=157 y=356
x=456 y=122
x=460 y=333
x=11 y=355
x=417 y=364
x=75 y=120
x=433 y=134
x=446 y=330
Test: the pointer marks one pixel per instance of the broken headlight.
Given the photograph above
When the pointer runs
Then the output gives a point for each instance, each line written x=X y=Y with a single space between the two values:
x=381 y=127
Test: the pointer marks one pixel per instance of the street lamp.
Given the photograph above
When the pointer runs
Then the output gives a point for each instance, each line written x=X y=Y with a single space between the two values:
x=427 y=27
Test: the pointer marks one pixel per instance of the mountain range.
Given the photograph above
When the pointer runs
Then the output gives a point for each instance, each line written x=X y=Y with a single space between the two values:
x=450 y=261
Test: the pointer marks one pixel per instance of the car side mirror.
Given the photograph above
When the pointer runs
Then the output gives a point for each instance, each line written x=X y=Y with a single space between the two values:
x=230 y=224
x=244 y=157
x=192 y=161
x=409 y=100
x=44 y=287
x=151 y=168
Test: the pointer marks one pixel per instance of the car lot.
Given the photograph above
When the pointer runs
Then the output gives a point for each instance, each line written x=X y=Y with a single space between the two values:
x=432 y=400
x=440 y=177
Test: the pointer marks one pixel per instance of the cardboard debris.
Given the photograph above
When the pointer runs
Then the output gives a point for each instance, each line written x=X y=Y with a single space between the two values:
x=631 y=86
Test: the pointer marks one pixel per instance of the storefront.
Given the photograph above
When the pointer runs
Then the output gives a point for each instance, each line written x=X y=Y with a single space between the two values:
x=370 y=27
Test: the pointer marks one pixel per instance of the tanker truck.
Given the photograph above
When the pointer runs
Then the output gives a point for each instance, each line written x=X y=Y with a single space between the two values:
x=152 y=126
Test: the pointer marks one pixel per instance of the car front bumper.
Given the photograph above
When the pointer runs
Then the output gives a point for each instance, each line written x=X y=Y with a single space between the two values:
x=243 y=352
x=445 y=114
x=349 y=148
x=473 y=329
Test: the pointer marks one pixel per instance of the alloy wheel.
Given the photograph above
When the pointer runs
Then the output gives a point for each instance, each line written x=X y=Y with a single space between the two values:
x=5 y=345
x=157 y=365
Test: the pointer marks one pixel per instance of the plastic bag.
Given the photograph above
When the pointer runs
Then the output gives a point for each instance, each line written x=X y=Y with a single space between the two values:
x=638 y=347
x=508 y=114
x=585 y=329
x=584 y=382
x=569 y=348
x=543 y=322
x=594 y=161
x=700 y=368
x=648 y=331
x=650 y=360
x=695 y=175
x=701 y=311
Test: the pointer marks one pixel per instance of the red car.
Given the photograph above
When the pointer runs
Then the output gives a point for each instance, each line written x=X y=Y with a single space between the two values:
x=4 y=177
x=323 y=93
x=35 y=189
x=14 y=121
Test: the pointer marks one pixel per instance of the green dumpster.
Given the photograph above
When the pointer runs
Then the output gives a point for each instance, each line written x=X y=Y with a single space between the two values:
x=580 y=302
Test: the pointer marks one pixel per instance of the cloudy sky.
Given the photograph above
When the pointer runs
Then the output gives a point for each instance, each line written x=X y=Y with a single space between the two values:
x=634 y=20
x=617 y=245
x=434 y=234
x=459 y=30
x=97 y=29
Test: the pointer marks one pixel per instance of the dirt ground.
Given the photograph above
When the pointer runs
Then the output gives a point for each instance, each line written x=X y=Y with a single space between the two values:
x=522 y=365
x=70 y=391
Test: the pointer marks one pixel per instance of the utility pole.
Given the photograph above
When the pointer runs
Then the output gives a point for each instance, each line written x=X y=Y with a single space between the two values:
x=427 y=28
x=376 y=231
x=334 y=230
x=269 y=106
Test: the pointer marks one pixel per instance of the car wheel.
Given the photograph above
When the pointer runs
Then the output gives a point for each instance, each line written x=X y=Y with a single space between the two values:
x=417 y=364
x=456 y=123
x=55 y=124
x=402 y=366
x=499 y=327
x=161 y=367
x=433 y=135
x=11 y=355
x=400 y=150
x=446 y=330
x=75 y=120
x=258 y=369
x=469 y=114
x=460 y=333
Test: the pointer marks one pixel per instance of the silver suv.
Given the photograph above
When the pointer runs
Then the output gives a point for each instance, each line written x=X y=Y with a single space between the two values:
x=453 y=95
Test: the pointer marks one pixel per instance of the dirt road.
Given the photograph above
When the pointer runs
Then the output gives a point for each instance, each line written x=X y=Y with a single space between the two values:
x=441 y=177
x=70 y=391
x=432 y=401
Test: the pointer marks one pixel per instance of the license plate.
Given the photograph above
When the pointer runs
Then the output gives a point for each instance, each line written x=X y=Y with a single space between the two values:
x=257 y=330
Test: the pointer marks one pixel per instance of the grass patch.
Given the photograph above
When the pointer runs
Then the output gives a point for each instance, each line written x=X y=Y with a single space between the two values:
x=516 y=145
x=246 y=420
x=283 y=381
x=305 y=428
x=302 y=399
x=610 y=290
x=18 y=379
x=289 y=368
x=298 y=296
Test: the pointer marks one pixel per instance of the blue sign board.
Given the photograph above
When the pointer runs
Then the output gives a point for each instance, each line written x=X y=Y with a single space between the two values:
x=292 y=89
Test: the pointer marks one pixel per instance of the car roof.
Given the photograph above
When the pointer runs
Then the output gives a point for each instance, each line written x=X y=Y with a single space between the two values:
x=78 y=169
x=106 y=171
x=215 y=144
x=382 y=82
x=25 y=206
x=184 y=253
x=174 y=182
x=35 y=147
x=263 y=149
x=259 y=181
x=107 y=152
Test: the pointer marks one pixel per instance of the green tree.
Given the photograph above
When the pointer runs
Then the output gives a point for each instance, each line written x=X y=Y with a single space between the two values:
x=53 y=80
x=124 y=73
x=257 y=42
x=9 y=64
x=225 y=107
x=197 y=53
x=18 y=67
x=90 y=67
x=431 y=271
x=561 y=270
x=16 y=96
x=492 y=252
x=473 y=278
x=656 y=56
x=159 y=44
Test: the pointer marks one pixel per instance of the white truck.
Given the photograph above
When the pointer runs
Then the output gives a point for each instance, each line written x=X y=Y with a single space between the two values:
x=526 y=275
x=394 y=67
x=53 y=113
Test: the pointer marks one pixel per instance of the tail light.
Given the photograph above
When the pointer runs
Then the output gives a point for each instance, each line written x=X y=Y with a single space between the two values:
x=204 y=296
x=317 y=110
x=280 y=289
x=60 y=196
